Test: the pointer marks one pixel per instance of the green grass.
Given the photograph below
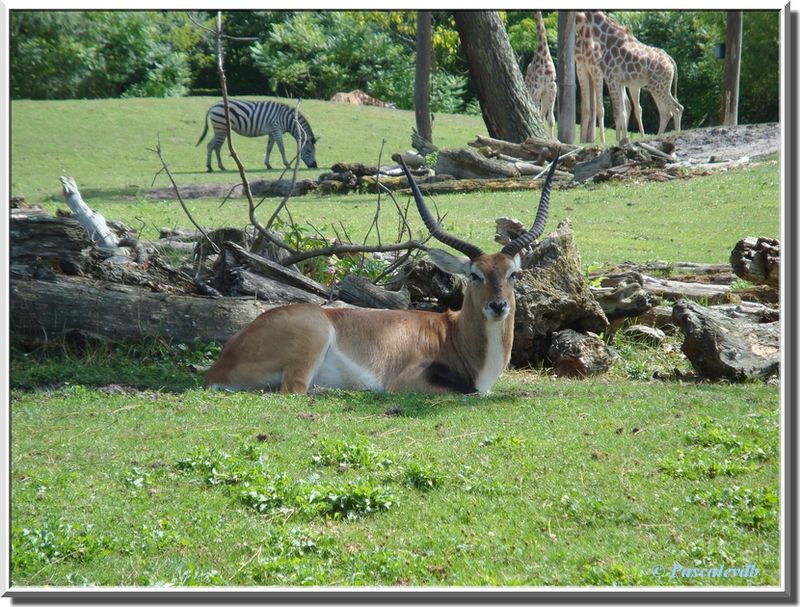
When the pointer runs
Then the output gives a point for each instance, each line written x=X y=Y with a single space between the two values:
x=124 y=472
x=541 y=483
x=697 y=220
x=104 y=143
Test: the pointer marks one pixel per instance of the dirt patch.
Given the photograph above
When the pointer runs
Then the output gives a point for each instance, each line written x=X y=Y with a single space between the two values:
x=719 y=143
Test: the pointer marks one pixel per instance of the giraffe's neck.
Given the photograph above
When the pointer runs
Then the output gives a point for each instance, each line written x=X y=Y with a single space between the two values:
x=542 y=48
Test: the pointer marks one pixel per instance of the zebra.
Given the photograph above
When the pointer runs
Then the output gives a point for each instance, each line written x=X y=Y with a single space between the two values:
x=257 y=118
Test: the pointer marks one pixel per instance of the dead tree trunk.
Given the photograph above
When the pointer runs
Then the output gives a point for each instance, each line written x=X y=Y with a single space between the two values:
x=730 y=74
x=566 y=76
x=423 y=73
x=505 y=104
x=42 y=310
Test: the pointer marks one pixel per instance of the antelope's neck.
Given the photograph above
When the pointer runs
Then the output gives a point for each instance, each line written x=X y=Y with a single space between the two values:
x=482 y=347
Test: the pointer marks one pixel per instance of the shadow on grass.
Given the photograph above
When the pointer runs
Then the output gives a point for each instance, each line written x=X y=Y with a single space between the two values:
x=394 y=404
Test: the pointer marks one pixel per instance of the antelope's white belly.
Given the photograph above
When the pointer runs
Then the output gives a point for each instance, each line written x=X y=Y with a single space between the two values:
x=338 y=371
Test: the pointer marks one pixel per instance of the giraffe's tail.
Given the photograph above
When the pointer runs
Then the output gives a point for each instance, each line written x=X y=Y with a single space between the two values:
x=675 y=79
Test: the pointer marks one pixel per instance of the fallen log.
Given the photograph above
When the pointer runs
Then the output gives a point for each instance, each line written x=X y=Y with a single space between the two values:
x=538 y=150
x=479 y=185
x=466 y=163
x=245 y=282
x=273 y=270
x=59 y=243
x=672 y=290
x=359 y=291
x=41 y=310
x=624 y=300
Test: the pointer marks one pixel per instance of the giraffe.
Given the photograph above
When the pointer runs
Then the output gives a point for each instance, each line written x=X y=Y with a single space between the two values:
x=626 y=62
x=588 y=54
x=540 y=77
x=590 y=80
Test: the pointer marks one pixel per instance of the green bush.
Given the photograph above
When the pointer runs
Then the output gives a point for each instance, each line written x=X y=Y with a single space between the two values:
x=68 y=55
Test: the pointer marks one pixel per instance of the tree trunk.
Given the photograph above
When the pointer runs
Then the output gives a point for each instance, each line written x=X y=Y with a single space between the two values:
x=505 y=104
x=422 y=79
x=42 y=310
x=566 y=76
x=730 y=74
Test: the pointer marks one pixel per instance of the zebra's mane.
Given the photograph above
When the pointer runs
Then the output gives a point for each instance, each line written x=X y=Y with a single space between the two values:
x=303 y=124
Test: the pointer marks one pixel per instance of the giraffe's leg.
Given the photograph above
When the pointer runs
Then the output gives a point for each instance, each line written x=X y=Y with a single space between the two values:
x=600 y=109
x=587 y=106
x=668 y=107
x=617 y=94
x=637 y=107
x=552 y=93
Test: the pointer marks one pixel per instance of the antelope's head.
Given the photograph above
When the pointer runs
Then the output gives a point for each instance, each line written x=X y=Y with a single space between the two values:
x=490 y=290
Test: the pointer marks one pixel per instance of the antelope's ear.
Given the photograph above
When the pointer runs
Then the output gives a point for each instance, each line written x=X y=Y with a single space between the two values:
x=452 y=264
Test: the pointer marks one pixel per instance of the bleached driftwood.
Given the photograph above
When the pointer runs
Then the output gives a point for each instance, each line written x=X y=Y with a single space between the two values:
x=94 y=223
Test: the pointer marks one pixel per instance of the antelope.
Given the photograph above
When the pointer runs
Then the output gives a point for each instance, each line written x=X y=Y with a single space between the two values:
x=297 y=346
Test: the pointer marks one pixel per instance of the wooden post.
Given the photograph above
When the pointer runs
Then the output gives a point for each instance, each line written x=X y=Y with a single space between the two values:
x=423 y=72
x=730 y=75
x=566 y=76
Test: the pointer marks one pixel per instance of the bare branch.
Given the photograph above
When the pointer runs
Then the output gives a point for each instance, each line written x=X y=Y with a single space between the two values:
x=266 y=233
x=351 y=248
x=165 y=168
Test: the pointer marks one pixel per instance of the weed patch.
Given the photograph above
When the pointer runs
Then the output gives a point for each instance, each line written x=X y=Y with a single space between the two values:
x=33 y=549
x=750 y=508
x=717 y=451
x=335 y=452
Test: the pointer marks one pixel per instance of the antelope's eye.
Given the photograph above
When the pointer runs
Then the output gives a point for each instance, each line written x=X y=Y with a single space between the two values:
x=512 y=276
x=475 y=278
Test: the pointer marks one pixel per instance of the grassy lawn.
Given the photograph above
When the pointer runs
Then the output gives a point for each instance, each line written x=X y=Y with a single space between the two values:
x=125 y=472
x=541 y=483
x=684 y=220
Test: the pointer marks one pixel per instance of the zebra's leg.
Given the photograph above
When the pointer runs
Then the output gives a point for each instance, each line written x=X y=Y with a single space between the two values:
x=209 y=147
x=216 y=145
x=279 y=140
x=270 y=143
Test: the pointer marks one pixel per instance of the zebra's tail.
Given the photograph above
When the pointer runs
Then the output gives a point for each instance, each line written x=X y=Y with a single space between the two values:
x=205 y=130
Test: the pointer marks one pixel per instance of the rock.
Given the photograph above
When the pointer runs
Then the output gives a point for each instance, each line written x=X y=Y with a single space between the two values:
x=720 y=347
x=552 y=294
x=579 y=355
x=645 y=334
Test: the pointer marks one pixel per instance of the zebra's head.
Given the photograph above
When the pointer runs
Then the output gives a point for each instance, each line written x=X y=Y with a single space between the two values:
x=308 y=152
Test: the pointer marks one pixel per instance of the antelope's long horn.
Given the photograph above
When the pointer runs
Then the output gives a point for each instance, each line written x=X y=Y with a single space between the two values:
x=470 y=250
x=526 y=239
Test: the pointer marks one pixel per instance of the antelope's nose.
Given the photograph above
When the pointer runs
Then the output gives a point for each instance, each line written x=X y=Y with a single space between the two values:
x=499 y=307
